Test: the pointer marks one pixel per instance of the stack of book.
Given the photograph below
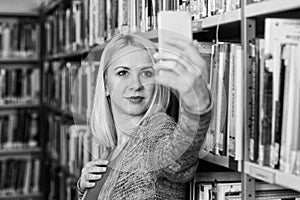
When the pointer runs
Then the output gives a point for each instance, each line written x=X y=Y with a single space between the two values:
x=226 y=82
x=274 y=138
x=19 y=176
x=18 y=38
x=19 y=129
x=19 y=85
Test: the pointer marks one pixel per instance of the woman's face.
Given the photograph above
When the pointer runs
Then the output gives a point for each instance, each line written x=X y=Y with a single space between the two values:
x=130 y=81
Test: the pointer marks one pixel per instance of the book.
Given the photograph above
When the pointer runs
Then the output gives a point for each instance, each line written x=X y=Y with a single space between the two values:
x=277 y=32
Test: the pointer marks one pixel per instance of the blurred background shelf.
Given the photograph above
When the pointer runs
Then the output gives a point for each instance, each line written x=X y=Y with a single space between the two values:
x=19 y=151
x=22 y=196
x=16 y=106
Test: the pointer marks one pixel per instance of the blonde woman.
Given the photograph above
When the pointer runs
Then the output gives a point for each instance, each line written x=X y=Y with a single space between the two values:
x=152 y=156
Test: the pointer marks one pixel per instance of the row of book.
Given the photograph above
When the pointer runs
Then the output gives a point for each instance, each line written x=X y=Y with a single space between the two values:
x=19 y=38
x=62 y=186
x=226 y=83
x=71 y=145
x=207 y=8
x=19 y=129
x=232 y=191
x=82 y=24
x=20 y=176
x=19 y=85
x=68 y=86
x=274 y=96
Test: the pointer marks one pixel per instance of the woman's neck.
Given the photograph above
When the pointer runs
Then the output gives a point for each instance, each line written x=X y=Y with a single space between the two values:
x=125 y=125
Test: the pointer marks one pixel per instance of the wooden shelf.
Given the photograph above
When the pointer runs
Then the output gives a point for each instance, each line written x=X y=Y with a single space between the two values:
x=18 y=60
x=270 y=7
x=51 y=6
x=19 y=151
x=22 y=196
x=223 y=161
x=209 y=22
x=68 y=55
x=67 y=115
x=219 y=176
x=225 y=18
x=273 y=176
x=16 y=106
x=18 y=14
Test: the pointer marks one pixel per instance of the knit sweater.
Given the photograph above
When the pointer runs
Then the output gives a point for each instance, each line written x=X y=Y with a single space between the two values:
x=159 y=159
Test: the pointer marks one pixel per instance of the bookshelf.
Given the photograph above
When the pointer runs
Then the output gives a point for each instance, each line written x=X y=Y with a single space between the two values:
x=21 y=147
x=253 y=19
x=247 y=21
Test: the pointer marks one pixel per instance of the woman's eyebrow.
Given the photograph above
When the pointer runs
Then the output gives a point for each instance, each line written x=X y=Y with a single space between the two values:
x=123 y=67
x=146 y=67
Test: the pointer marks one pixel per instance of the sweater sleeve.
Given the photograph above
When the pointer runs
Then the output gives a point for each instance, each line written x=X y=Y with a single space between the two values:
x=176 y=155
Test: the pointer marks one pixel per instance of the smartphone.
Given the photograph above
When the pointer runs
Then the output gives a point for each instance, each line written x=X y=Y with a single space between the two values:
x=173 y=24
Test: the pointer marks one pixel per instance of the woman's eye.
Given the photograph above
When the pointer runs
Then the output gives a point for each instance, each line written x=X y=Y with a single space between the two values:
x=122 y=73
x=148 y=74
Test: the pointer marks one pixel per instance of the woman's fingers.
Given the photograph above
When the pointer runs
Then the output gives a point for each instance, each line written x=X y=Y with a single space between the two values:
x=92 y=172
x=95 y=169
x=92 y=177
x=170 y=79
x=180 y=64
x=97 y=162
x=87 y=185
x=188 y=49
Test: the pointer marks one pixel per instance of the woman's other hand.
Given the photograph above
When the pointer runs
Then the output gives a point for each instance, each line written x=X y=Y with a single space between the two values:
x=92 y=172
x=187 y=73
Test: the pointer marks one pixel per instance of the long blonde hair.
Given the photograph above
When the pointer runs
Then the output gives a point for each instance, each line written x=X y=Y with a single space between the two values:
x=101 y=120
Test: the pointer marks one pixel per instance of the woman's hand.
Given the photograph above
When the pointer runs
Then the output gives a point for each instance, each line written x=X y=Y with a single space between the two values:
x=91 y=172
x=186 y=71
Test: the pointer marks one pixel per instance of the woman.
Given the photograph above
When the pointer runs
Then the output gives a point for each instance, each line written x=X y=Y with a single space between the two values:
x=152 y=156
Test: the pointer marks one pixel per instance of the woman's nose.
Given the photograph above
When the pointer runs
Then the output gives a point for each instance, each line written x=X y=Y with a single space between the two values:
x=136 y=84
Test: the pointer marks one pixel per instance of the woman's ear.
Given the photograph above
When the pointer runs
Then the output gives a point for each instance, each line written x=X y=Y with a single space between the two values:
x=105 y=87
x=106 y=92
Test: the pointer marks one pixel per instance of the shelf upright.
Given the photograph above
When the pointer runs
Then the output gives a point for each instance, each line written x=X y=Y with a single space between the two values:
x=247 y=33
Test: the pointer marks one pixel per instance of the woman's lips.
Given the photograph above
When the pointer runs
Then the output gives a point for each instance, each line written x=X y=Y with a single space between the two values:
x=135 y=99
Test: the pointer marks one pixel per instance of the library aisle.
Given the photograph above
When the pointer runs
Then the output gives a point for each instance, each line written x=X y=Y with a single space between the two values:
x=50 y=47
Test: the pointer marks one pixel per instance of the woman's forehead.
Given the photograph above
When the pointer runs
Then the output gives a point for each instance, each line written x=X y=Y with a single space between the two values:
x=132 y=55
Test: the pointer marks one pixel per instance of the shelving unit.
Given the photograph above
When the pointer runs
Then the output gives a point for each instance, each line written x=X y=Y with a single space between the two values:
x=245 y=20
x=252 y=16
x=25 y=159
x=273 y=176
